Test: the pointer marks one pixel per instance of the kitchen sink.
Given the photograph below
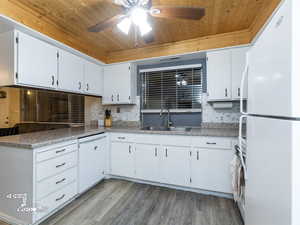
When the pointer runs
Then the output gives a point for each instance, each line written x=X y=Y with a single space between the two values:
x=183 y=129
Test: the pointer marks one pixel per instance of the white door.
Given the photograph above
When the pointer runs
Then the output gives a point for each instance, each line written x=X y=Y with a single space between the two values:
x=70 y=72
x=110 y=83
x=122 y=159
x=124 y=83
x=93 y=75
x=37 y=62
x=272 y=153
x=147 y=162
x=175 y=165
x=270 y=69
x=117 y=84
x=210 y=169
x=238 y=67
x=219 y=75
x=92 y=163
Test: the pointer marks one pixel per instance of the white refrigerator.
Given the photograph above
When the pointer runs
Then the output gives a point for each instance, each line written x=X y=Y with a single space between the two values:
x=273 y=121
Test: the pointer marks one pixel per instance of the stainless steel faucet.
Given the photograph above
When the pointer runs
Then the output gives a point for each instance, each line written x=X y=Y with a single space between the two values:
x=168 y=123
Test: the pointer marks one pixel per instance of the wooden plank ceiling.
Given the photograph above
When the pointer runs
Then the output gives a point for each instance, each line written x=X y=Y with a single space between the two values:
x=226 y=23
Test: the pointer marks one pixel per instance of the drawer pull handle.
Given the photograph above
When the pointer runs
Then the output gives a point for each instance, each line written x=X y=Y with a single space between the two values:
x=60 y=165
x=197 y=155
x=60 y=181
x=96 y=147
x=60 y=198
x=121 y=138
x=211 y=143
x=156 y=152
x=166 y=152
x=60 y=151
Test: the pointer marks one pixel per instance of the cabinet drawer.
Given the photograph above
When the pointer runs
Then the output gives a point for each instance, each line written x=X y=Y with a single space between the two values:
x=51 y=153
x=203 y=142
x=147 y=139
x=56 y=182
x=56 y=165
x=55 y=200
x=121 y=137
x=175 y=140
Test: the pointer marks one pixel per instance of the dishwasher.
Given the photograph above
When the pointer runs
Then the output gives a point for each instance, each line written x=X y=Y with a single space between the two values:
x=92 y=152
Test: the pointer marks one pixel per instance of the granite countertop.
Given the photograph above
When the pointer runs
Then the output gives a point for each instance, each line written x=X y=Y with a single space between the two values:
x=44 y=138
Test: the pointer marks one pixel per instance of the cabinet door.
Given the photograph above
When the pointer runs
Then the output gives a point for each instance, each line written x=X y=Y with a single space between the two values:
x=219 y=75
x=71 y=72
x=93 y=75
x=175 y=165
x=238 y=68
x=147 y=162
x=210 y=169
x=117 y=84
x=124 y=84
x=122 y=159
x=37 y=62
x=92 y=163
x=110 y=83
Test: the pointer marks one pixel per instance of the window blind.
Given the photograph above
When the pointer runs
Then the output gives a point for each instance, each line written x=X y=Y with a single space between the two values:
x=172 y=89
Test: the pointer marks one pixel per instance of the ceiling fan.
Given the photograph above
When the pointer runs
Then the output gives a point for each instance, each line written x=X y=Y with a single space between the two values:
x=137 y=12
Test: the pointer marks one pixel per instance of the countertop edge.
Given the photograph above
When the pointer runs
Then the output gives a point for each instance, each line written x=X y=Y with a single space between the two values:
x=230 y=134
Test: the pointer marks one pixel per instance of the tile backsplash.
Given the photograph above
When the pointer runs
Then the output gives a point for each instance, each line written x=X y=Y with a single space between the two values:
x=211 y=115
x=94 y=110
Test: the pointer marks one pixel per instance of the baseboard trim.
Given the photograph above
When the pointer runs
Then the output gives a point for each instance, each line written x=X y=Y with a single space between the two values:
x=176 y=187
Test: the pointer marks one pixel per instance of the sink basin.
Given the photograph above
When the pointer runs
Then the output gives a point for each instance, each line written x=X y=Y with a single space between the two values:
x=184 y=129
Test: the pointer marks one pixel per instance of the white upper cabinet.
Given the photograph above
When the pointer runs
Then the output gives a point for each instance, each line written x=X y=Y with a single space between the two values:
x=70 y=72
x=224 y=74
x=119 y=84
x=37 y=62
x=27 y=61
x=219 y=75
x=93 y=76
x=238 y=68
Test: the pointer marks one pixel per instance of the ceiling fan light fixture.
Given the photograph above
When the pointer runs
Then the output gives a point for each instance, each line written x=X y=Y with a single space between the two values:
x=145 y=28
x=138 y=16
x=125 y=25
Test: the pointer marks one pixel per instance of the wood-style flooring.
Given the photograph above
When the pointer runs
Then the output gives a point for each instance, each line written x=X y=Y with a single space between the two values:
x=116 y=202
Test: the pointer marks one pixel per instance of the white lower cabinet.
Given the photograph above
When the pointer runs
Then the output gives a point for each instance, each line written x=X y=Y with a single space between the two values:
x=196 y=162
x=210 y=169
x=122 y=159
x=147 y=162
x=175 y=165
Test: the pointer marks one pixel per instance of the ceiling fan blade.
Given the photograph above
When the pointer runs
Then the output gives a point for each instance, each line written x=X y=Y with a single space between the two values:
x=149 y=38
x=106 y=24
x=177 y=12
